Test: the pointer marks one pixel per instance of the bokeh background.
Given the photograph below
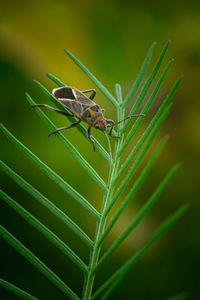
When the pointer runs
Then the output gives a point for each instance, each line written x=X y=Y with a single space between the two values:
x=111 y=38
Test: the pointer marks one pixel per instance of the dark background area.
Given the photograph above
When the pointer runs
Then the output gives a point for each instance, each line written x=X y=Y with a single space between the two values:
x=111 y=38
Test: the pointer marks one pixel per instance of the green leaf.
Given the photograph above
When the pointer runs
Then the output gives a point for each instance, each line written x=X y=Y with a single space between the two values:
x=15 y=290
x=118 y=91
x=55 y=177
x=55 y=79
x=80 y=128
x=139 y=158
x=119 y=275
x=137 y=184
x=44 y=230
x=147 y=131
x=146 y=86
x=93 y=78
x=142 y=212
x=71 y=149
x=140 y=76
x=120 y=116
x=46 y=203
x=120 y=111
x=37 y=263
x=148 y=104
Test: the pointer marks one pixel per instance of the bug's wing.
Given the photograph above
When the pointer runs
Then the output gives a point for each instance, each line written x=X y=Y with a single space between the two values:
x=72 y=105
x=65 y=92
x=66 y=97
x=84 y=100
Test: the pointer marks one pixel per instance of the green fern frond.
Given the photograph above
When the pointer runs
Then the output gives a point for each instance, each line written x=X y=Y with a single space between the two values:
x=111 y=187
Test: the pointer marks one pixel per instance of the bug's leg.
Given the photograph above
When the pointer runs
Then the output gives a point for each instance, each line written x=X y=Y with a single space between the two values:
x=63 y=128
x=111 y=128
x=54 y=109
x=92 y=95
x=89 y=137
x=108 y=121
x=113 y=136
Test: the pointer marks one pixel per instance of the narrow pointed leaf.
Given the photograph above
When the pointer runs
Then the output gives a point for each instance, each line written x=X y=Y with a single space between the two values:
x=146 y=86
x=147 y=105
x=140 y=76
x=44 y=230
x=143 y=211
x=55 y=79
x=72 y=150
x=16 y=290
x=120 y=110
x=139 y=158
x=137 y=184
x=93 y=78
x=118 y=91
x=47 y=204
x=37 y=263
x=55 y=177
x=118 y=276
x=148 y=130
x=80 y=127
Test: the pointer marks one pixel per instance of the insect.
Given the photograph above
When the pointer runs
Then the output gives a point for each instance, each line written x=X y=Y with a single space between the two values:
x=84 y=109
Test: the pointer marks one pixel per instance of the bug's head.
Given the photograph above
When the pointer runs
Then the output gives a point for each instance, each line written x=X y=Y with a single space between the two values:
x=101 y=125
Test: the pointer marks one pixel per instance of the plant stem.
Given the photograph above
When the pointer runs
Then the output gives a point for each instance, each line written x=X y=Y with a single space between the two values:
x=89 y=280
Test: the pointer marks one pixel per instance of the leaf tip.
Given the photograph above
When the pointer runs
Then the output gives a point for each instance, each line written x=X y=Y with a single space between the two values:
x=28 y=97
x=2 y=127
x=67 y=51
x=186 y=206
x=178 y=166
x=153 y=46
x=166 y=137
x=183 y=209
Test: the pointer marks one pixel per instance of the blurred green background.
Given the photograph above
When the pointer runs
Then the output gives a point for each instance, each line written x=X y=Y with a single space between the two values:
x=111 y=38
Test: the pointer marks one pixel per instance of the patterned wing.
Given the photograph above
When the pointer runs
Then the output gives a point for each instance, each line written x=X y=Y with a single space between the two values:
x=65 y=92
x=66 y=97
x=81 y=98
x=73 y=106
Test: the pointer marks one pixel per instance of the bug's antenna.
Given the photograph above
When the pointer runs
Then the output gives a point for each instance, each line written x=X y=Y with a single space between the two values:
x=132 y=116
x=109 y=147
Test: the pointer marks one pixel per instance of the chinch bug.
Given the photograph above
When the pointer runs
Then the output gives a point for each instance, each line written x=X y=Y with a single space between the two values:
x=84 y=109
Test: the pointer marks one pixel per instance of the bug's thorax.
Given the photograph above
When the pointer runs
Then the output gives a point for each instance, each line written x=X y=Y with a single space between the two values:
x=101 y=124
x=94 y=117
